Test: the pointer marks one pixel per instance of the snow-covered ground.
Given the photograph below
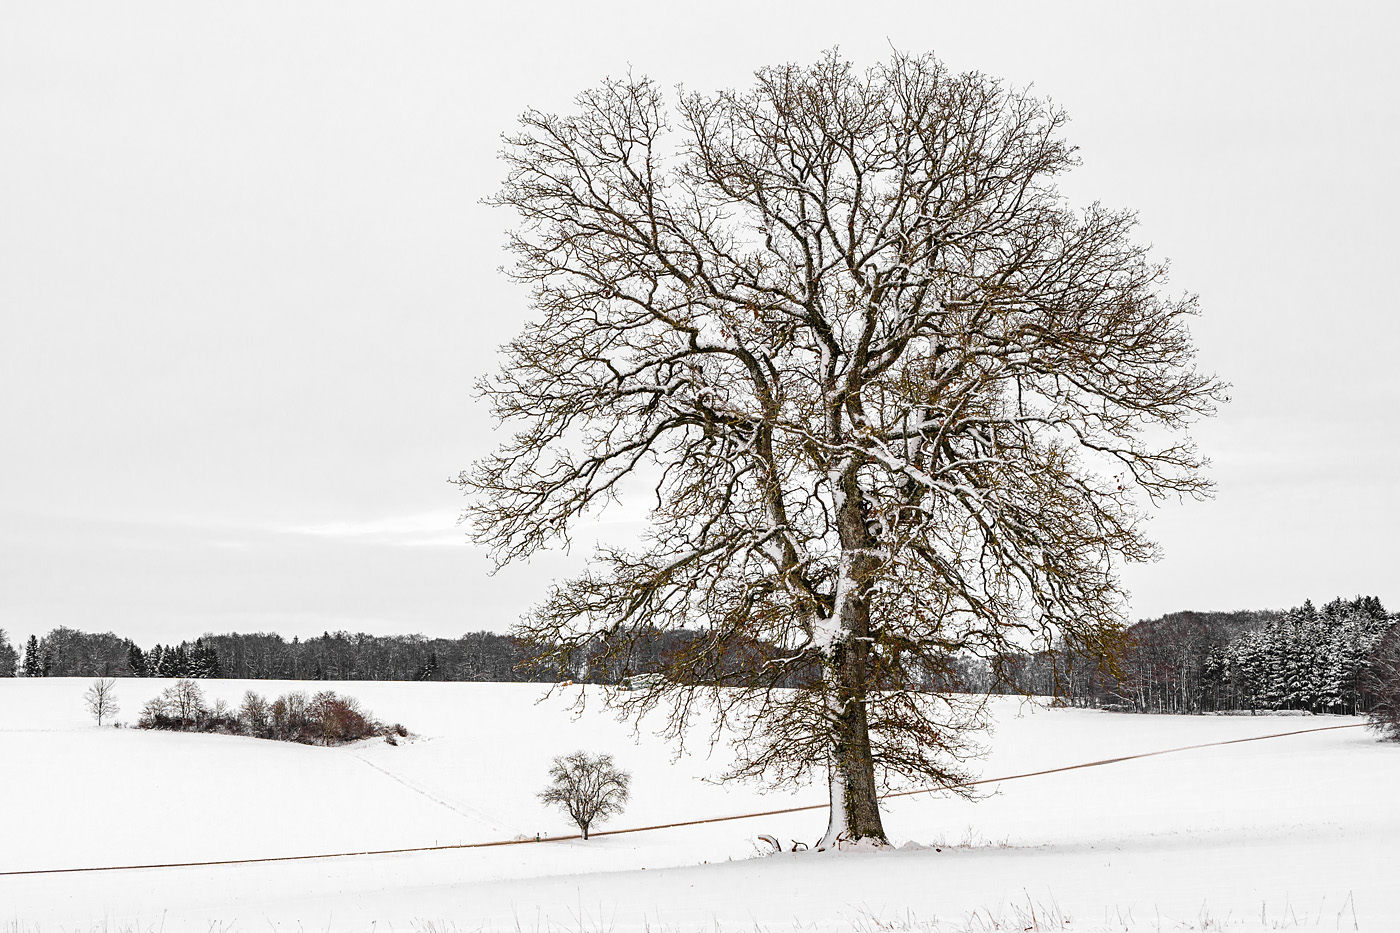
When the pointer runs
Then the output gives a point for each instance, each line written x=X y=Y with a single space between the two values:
x=1301 y=831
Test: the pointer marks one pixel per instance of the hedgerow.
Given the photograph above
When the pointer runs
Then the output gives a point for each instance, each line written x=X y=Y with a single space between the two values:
x=323 y=718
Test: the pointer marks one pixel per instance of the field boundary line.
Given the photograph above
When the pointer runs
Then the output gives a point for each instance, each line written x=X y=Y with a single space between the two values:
x=1112 y=761
x=683 y=823
x=470 y=813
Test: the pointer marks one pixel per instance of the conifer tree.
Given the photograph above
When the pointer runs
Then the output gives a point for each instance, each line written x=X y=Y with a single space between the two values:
x=34 y=665
x=194 y=660
x=169 y=664
x=212 y=667
x=135 y=660
x=9 y=658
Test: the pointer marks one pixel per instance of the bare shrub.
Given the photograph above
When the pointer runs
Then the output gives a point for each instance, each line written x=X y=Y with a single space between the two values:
x=340 y=719
x=289 y=717
x=155 y=712
x=222 y=719
x=324 y=719
x=588 y=788
x=255 y=716
x=277 y=722
x=181 y=706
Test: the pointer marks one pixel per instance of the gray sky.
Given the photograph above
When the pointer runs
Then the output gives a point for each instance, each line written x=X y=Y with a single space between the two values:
x=246 y=283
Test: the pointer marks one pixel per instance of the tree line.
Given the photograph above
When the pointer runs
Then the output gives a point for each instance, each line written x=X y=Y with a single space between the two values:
x=475 y=656
x=1304 y=658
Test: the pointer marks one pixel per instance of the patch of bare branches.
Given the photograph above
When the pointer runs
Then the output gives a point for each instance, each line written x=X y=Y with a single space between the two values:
x=323 y=718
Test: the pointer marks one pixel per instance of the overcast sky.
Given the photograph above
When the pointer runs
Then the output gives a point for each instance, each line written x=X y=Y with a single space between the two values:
x=246 y=282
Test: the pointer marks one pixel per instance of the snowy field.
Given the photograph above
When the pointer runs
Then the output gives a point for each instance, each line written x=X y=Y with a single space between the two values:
x=1297 y=832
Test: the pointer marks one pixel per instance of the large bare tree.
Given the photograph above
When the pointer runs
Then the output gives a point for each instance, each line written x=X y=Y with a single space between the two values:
x=894 y=403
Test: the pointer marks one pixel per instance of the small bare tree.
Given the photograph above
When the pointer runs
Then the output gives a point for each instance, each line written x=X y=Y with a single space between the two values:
x=589 y=788
x=101 y=699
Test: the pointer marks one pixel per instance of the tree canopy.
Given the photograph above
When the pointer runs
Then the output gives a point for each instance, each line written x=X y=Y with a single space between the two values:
x=892 y=399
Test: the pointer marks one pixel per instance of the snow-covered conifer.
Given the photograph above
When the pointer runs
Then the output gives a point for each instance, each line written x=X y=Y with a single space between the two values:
x=34 y=665
x=135 y=660
x=9 y=657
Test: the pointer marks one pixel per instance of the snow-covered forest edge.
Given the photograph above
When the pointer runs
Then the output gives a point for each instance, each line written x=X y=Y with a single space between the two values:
x=1301 y=659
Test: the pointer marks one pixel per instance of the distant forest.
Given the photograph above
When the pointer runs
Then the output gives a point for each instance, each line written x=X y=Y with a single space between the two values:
x=1304 y=658
x=479 y=656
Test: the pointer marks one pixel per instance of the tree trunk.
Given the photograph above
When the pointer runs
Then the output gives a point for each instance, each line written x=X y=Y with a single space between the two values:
x=855 y=806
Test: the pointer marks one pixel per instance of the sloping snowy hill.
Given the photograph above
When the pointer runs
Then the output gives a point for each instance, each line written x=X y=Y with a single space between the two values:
x=1292 y=831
